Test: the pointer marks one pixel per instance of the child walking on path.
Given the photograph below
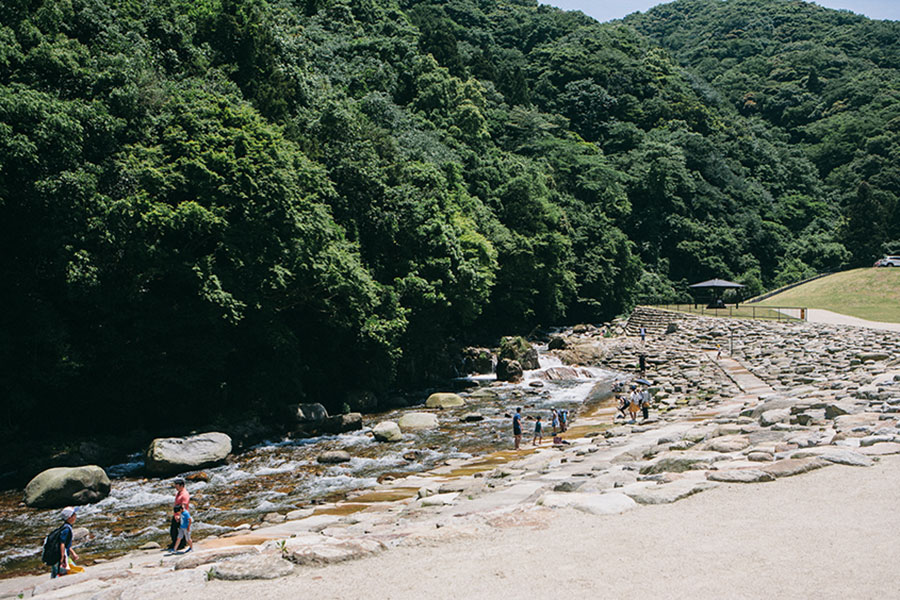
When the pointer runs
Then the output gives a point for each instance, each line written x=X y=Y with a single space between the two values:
x=538 y=432
x=184 y=527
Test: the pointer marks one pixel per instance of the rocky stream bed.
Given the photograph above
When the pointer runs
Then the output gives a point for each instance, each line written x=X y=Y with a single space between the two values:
x=787 y=399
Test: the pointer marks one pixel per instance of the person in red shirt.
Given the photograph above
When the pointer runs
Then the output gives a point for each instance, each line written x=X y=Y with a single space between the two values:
x=183 y=498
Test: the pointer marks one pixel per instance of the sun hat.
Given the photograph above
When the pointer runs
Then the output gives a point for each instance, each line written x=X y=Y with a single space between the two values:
x=178 y=481
x=67 y=513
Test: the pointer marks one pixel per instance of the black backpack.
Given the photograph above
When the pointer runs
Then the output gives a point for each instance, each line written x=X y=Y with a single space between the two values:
x=51 y=555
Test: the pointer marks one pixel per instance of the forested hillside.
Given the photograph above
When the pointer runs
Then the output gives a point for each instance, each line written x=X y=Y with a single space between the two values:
x=827 y=80
x=229 y=205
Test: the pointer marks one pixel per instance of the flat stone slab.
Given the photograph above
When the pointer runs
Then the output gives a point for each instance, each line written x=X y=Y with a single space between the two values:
x=669 y=492
x=727 y=443
x=196 y=559
x=881 y=449
x=260 y=566
x=612 y=503
x=789 y=467
x=323 y=550
x=439 y=499
x=679 y=462
x=840 y=456
x=740 y=476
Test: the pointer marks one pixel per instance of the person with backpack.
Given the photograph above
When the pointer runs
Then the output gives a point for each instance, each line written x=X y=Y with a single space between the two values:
x=58 y=545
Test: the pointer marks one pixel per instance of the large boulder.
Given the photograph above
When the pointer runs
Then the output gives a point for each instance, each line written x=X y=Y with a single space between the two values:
x=509 y=370
x=64 y=486
x=387 y=431
x=310 y=414
x=167 y=456
x=342 y=423
x=478 y=360
x=444 y=400
x=517 y=348
x=415 y=421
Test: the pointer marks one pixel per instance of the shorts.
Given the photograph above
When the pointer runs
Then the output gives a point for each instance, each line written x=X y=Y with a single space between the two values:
x=183 y=534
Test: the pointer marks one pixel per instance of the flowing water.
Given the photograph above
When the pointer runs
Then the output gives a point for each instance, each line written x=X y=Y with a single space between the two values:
x=282 y=475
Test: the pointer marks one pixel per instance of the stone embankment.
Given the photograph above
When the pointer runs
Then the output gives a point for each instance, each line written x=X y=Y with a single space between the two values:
x=780 y=400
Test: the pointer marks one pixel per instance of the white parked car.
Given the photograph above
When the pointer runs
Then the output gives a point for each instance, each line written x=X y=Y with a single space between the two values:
x=888 y=261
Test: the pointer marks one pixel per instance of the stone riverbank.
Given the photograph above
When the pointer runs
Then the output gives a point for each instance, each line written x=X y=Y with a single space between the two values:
x=788 y=399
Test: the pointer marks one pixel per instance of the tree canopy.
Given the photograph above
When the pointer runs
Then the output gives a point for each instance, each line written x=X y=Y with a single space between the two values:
x=236 y=204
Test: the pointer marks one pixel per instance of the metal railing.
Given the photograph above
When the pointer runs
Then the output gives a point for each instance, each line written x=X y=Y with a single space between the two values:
x=739 y=311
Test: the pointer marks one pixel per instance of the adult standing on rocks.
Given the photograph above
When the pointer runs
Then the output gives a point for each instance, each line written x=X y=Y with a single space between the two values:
x=183 y=498
x=517 y=427
x=645 y=403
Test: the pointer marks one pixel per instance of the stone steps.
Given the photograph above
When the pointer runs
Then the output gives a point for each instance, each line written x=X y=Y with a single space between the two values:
x=654 y=321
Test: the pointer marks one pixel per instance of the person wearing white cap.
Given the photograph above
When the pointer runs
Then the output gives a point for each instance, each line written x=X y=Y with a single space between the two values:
x=65 y=543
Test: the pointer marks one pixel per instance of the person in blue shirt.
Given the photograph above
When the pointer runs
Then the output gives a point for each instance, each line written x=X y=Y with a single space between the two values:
x=184 y=527
x=65 y=544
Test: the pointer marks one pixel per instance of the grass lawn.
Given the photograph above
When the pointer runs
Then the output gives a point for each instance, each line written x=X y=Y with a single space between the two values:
x=870 y=293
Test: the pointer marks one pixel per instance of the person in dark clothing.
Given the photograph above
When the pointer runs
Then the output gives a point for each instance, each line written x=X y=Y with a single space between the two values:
x=517 y=427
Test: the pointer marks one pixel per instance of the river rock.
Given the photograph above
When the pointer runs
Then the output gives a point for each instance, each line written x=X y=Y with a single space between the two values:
x=778 y=415
x=740 y=476
x=678 y=462
x=260 y=566
x=478 y=360
x=881 y=449
x=299 y=513
x=81 y=534
x=611 y=503
x=840 y=456
x=444 y=400
x=312 y=412
x=727 y=443
x=387 y=431
x=518 y=349
x=415 y=421
x=472 y=417
x=789 y=467
x=321 y=550
x=669 y=492
x=167 y=456
x=341 y=423
x=63 y=486
x=509 y=370
x=557 y=343
x=334 y=457
x=760 y=456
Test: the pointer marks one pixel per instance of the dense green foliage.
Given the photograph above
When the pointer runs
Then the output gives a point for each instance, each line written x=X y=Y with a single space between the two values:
x=828 y=81
x=228 y=205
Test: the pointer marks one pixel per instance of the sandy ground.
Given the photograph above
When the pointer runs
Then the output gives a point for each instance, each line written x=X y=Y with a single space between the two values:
x=826 y=534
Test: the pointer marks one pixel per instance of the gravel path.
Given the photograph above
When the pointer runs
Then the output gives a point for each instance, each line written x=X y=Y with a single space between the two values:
x=819 y=315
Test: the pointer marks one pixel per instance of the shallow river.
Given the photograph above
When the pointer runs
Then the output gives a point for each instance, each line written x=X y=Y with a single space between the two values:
x=281 y=475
